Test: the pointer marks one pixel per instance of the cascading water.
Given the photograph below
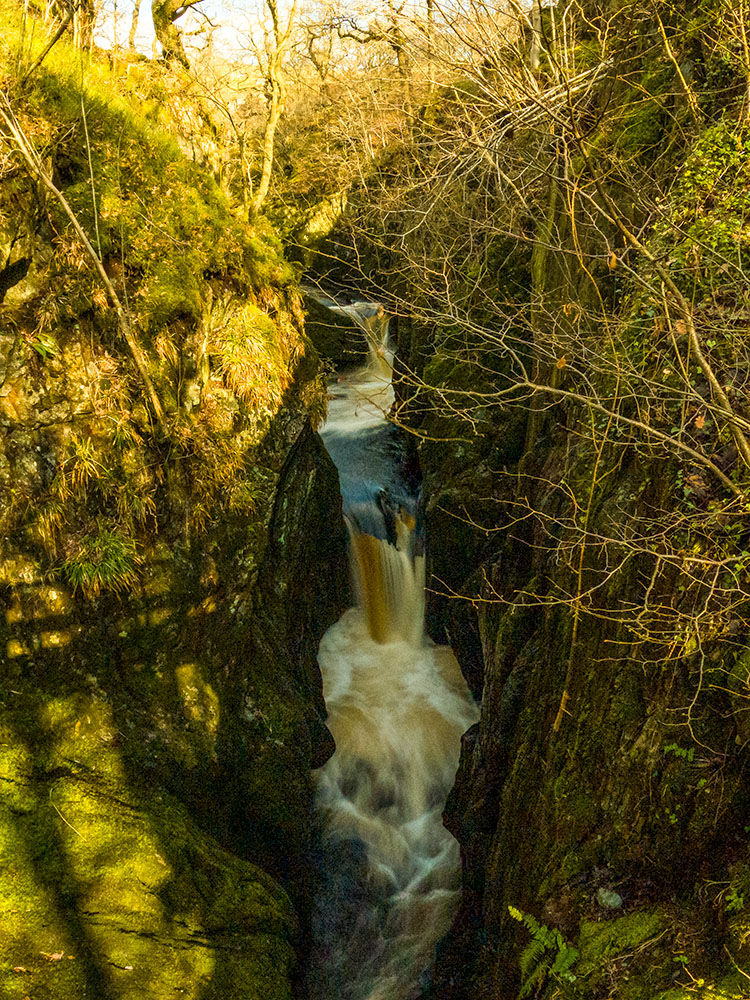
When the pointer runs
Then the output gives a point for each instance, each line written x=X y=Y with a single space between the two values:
x=397 y=707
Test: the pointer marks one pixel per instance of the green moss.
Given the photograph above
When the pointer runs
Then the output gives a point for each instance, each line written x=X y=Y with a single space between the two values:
x=114 y=891
x=208 y=298
x=171 y=293
x=709 y=209
x=158 y=216
x=727 y=989
x=641 y=121
x=602 y=941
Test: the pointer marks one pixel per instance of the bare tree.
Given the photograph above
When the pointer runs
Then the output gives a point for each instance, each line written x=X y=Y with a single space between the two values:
x=134 y=25
x=276 y=42
x=604 y=330
x=165 y=14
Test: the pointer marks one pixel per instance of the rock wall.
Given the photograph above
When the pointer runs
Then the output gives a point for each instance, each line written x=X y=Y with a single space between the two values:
x=164 y=579
x=601 y=802
x=603 y=837
x=622 y=832
x=156 y=754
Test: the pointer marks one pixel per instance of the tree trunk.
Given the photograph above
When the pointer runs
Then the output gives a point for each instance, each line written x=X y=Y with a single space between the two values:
x=49 y=46
x=275 y=111
x=165 y=13
x=276 y=45
x=746 y=60
x=536 y=35
x=543 y=370
x=84 y=23
x=134 y=25
x=431 y=43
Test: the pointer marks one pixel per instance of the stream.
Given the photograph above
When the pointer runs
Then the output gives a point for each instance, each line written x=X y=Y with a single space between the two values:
x=397 y=706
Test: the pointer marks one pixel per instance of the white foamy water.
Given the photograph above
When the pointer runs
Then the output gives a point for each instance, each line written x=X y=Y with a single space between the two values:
x=397 y=711
x=397 y=707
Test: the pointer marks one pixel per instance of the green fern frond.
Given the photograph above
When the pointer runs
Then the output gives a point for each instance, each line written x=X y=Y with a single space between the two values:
x=547 y=954
x=531 y=957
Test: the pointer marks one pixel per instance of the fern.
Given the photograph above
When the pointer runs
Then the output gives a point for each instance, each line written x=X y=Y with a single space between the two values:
x=547 y=954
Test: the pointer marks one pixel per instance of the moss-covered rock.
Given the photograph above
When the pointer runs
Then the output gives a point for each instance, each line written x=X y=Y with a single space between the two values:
x=114 y=891
x=156 y=749
x=334 y=334
x=163 y=583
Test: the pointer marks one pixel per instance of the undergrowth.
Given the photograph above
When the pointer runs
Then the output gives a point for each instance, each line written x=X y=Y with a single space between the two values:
x=548 y=954
x=210 y=297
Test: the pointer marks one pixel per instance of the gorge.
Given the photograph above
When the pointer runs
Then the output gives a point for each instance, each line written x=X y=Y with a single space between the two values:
x=353 y=651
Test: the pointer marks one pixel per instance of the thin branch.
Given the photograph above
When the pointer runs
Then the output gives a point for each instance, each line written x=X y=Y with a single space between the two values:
x=34 y=164
x=51 y=43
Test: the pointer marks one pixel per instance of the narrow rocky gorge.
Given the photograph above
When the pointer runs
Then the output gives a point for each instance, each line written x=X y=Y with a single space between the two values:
x=397 y=706
x=344 y=666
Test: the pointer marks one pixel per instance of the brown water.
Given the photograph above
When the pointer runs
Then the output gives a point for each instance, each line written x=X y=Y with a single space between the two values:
x=397 y=707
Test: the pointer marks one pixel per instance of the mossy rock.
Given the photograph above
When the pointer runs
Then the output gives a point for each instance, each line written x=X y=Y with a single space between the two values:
x=603 y=944
x=112 y=892
x=334 y=334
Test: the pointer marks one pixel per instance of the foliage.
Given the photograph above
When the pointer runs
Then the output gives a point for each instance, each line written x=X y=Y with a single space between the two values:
x=105 y=561
x=548 y=954
x=188 y=232
x=710 y=206
x=210 y=298
x=245 y=345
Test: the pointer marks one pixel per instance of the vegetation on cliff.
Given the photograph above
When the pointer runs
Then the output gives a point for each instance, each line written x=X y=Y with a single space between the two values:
x=554 y=202
x=160 y=705
x=561 y=233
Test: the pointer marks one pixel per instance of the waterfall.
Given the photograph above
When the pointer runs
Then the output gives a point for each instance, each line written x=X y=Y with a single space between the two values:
x=397 y=706
x=373 y=320
x=389 y=583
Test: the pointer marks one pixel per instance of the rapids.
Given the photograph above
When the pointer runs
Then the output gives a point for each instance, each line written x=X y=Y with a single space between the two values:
x=397 y=706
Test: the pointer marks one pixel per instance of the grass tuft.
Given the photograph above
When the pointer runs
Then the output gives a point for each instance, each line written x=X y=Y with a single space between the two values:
x=106 y=561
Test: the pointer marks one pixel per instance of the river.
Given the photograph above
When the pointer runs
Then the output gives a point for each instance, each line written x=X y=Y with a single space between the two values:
x=397 y=706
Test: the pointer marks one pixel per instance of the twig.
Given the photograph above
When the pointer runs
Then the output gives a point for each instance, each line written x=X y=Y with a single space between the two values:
x=692 y=101
x=50 y=44
x=63 y=818
x=34 y=164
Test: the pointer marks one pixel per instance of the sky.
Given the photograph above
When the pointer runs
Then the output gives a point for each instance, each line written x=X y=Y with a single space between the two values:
x=232 y=18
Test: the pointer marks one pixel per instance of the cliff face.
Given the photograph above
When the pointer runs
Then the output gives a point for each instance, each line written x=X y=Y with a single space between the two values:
x=577 y=558
x=156 y=756
x=163 y=582
x=601 y=801
x=608 y=830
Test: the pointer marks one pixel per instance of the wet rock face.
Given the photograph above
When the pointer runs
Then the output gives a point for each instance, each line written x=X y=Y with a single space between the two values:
x=335 y=335
x=600 y=833
x=605 y=829
x=156 y=748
